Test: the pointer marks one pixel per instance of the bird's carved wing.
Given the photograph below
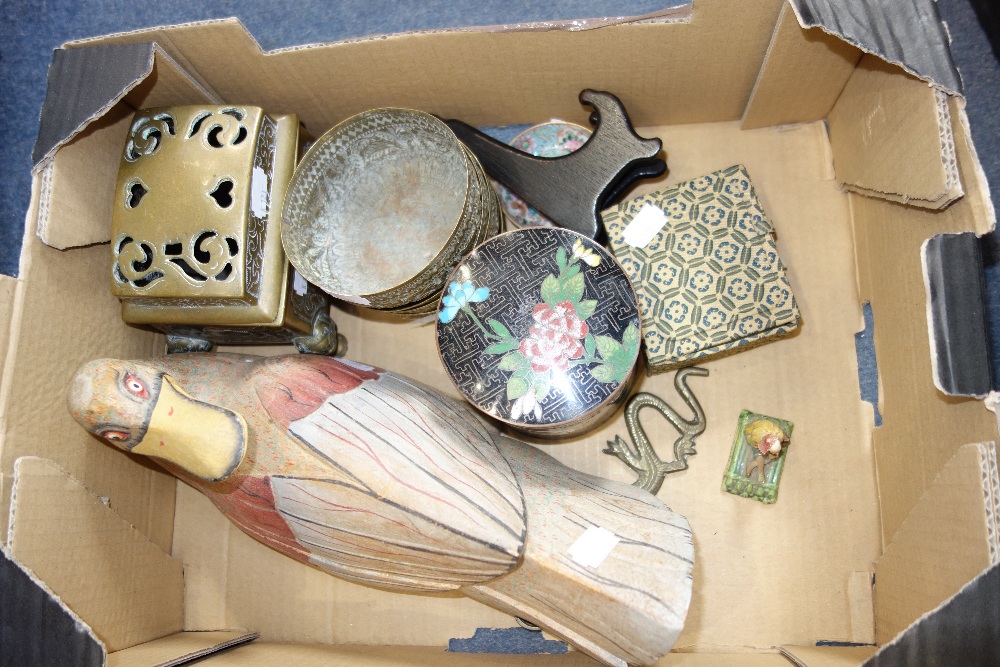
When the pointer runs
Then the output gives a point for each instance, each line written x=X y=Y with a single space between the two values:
x=418 y=495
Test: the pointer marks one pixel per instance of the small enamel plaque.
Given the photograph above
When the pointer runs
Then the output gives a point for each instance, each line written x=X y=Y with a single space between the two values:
x=757 y=457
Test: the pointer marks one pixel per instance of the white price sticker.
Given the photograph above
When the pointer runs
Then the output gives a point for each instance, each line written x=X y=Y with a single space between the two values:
x=591 y=548
x=299 y=284
x=260 y=193
x=646 y=224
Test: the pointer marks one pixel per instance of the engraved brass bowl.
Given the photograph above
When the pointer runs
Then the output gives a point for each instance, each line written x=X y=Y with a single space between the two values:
x=383 y=206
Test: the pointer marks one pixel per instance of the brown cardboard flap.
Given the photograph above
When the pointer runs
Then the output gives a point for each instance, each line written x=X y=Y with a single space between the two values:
x=829 y=471
x=479 y=77
x=948 y=538
x=802 y=76
x=965 y=630
x=910 y=34
x=8 y=288
x=259 y=654
x=106 y=571
x=723 y=660
x=75 y=208
x=922 y=428
x=891 y=135
x=674 y=78
x=179 y=649
x=37 y=627
x=63 y=315
x=827 y=656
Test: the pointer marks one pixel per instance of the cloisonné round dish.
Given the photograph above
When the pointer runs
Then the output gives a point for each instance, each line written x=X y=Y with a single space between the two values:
x=383 y=206
x=552 y=139
x=539 y=328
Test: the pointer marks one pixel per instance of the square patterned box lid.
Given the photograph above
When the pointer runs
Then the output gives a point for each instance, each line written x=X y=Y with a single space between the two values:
x=705 y=267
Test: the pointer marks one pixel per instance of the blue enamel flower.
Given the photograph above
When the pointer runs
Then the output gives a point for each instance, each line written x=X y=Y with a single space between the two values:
x=458 y=296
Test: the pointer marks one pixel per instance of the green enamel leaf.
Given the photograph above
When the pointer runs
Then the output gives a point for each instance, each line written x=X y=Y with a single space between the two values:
x=551 y=292
x=572 y=288
x=621 y=358
x=561 y=258
x=603 y=373
x=499 y=328
x=514 y=361
x=620 y=371
x=607 y=346
x=517 y=387
x=542 y=384
x=588 y=343
x=501 y=347
x=572 y=270
x=585 y=309
x=630 y=338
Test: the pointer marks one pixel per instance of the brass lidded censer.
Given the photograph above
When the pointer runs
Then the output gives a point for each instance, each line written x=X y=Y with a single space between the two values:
x=196 y=245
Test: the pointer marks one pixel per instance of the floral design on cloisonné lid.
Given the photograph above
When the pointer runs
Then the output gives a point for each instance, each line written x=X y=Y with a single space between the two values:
x=539 y=328
x=552 y=139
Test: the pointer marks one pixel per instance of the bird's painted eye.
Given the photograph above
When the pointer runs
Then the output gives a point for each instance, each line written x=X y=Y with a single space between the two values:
x=136 y=386
x=115 y=436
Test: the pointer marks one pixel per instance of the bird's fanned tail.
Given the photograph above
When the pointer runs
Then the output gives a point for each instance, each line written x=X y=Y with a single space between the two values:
x=628 y=609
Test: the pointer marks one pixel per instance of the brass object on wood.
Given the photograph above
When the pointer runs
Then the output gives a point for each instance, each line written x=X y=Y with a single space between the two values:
x=196 y=246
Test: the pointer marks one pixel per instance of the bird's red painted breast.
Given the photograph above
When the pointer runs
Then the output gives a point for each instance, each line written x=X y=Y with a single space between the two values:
x=415 y=493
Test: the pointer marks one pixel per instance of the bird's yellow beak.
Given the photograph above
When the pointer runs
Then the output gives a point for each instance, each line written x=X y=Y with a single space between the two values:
x=205 y=440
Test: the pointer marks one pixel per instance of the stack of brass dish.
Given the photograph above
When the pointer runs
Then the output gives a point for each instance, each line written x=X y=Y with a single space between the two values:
x=383 y=206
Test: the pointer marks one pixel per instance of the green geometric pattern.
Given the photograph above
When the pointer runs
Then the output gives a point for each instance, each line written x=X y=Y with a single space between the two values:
x=710 y=280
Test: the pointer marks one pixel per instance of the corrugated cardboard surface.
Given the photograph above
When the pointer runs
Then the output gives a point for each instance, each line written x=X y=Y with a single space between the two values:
x=802 y=76
x=827 y=656
x=179 y=648
x=946 y=540
x=907 y=33
x=965 y=630
x=886 y=136
x=266 y=655
x=828 y=489
x=63 y=316
x=765 y=576
x=480 y=77
x=103 y=569
x=76 y=207
x=36 y=627
x=922 y=428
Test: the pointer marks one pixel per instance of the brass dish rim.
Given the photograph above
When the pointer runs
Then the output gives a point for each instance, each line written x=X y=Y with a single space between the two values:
x=386 y=294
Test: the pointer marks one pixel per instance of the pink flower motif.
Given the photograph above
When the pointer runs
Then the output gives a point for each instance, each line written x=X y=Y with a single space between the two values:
x=554 y=338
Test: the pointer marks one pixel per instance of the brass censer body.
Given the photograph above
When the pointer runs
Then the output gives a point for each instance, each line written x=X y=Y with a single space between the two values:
x=196 y=244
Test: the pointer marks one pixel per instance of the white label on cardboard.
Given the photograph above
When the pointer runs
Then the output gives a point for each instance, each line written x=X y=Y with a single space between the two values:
x=299 y=284
x=591 y=548
x=260 y=193
x=646 y=224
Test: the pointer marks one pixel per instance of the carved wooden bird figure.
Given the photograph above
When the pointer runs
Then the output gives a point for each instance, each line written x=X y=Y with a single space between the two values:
x=370 y=476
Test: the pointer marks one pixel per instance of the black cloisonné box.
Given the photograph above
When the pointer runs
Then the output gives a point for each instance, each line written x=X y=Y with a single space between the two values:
x=539 y=328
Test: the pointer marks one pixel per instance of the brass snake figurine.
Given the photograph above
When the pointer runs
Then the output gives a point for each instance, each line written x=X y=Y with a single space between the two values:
x=640 y=455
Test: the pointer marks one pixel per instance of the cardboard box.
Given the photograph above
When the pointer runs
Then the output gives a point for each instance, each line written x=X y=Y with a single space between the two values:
x=836 y=139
